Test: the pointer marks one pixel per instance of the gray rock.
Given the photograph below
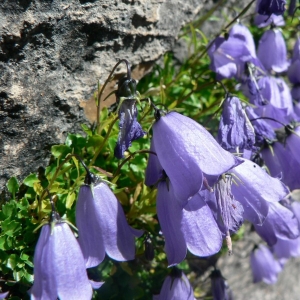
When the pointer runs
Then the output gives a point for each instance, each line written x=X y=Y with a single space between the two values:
x=53 y=52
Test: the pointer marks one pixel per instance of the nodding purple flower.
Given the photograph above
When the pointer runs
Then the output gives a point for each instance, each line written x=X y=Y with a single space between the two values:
x=228 y=212
x=191 y=226
x=275 y=60
x=186 y=151
x=130 y=128
x=235 y=130
x=102 y=226
x=268 y=7
x=59 y=268
x=176 y=287
x=263 y=21
x=252 y=190
x=228 y=56
x=264 y=266
x=219 y=287
x=294 y=72
x=279 y=224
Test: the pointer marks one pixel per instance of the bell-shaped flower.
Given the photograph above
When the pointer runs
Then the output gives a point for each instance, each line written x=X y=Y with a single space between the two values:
x=264 y=266
x=59 y=268
x=190 y=227
x=185 y=151
x=130 y=128
x=280 y=223
x=228 y=56
x=286 y=101
x=252 y=190
x=219 y=287
x=235 y=129
x=285 y=249
x=268 y=7
x=176 y=287
x=102 y=226
x=241 y=32
x=263 y=21
x=275 y=60
x=294 y=69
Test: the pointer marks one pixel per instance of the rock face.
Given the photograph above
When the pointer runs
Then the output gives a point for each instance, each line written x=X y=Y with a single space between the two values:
x=52 y=52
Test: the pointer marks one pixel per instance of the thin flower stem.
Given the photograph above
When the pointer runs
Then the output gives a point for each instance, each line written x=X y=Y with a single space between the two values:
x=128 y=158
x=105 y=84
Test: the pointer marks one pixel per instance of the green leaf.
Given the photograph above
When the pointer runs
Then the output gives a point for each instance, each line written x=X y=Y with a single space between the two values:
x=30 y=180
x=12 y=261
x=70 y=200
x=86 y=129
x=60 y=150
x=10 y=227
x=13 y=186
x=8 y=210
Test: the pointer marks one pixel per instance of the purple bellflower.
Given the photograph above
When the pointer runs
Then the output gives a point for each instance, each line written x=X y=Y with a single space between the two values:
x=186 y=151
x=294 y=70
x=130 y=128
x=275 y=60
x=263 y=21
x=176 y=287
x=219 y=287
x=235 y=130
x=268 y=7
x=191 y=227
x=252 y=190
x=264 y=266
x=102 y=225
x=228 y=56
x=59 y=268
x=279 y=224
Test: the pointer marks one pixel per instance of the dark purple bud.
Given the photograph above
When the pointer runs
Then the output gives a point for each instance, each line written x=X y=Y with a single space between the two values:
x=264 y=266
x=235 y=129
x=219 y=287
x=130 y=129
x=268 y=7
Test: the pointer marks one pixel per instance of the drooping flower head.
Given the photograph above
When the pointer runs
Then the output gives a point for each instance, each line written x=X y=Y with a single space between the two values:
x=264 y=266
x=219 y=287
x=130 y=128
x=59 y=268
x=186 y=151
x=235 y=130
x=268 y=7
x=275 y=60
x=102 y=225
x=176 y=287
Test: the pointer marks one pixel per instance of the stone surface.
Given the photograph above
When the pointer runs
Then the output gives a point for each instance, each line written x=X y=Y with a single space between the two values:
x=52 y=53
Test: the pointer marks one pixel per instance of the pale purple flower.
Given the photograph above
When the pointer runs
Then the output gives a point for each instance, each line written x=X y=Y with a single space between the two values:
x=190 y=227
x=280 y=223
x=130 y=128
x=186 y=151
x=235 y=129
x=264 y=266
x=219 y=287
x=102 y=226
x=263 y=21
x=228 y=56
x=254 y=189
x=268 y=7
x=59 y=268
x=176 y=287
x=275 y=60
x=287 y=248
